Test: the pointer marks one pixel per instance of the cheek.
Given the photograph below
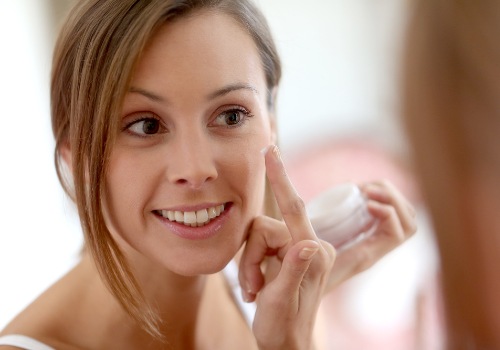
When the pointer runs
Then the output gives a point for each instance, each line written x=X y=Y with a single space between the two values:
x=243 y=168
x=126 y=184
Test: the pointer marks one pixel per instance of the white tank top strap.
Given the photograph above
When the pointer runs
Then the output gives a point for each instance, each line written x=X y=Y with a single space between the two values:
x=23 y=342
x=247 y=309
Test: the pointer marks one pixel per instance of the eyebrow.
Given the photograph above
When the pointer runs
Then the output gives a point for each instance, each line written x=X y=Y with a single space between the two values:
x=232 y=87
x=218 y=93
x=146 y=93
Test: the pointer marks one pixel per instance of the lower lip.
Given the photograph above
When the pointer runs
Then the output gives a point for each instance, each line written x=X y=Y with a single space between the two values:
x=197 y=233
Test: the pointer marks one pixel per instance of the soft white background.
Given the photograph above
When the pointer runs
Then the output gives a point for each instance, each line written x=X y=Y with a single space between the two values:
x=340 y=72
x=38 y=240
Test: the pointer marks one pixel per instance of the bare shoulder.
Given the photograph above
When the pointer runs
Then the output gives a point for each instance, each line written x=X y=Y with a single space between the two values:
x=46 y=317
x=33 y=322
x=18 y=328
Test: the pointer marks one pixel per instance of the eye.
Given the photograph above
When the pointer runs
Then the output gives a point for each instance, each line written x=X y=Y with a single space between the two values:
x=144 y=127
x=232 y=117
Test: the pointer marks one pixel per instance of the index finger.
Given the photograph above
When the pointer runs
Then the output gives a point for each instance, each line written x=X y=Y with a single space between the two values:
x=292 y=207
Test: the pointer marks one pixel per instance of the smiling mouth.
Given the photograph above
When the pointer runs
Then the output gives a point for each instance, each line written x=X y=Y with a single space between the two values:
x=192 y=218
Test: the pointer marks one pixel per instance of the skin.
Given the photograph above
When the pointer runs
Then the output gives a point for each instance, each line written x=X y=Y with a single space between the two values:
x=191 y=74
x=187 y=84
x=396 y=224
x=191 y=132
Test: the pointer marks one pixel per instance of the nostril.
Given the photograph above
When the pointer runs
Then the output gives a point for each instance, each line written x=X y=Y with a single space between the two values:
x=191 y=175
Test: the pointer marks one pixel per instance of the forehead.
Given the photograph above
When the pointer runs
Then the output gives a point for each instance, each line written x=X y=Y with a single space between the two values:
x=208 y=47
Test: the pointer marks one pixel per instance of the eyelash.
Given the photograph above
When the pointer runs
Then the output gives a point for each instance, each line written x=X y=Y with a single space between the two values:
x=139 y=119
x=244 y=118
x=246 y=114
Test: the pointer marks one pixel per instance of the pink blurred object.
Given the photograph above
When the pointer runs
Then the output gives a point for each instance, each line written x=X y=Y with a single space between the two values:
x=350 y=321
x=328 y=163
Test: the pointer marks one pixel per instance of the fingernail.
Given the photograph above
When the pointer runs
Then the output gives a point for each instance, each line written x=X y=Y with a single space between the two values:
x=246 y=299
x=248 y=296
x=307 y=253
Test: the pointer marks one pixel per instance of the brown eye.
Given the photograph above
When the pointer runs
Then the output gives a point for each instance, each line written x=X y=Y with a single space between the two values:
x=149 y=126
x=232 y=117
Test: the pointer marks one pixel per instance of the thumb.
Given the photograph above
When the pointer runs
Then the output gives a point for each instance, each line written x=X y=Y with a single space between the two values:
x=295 y=264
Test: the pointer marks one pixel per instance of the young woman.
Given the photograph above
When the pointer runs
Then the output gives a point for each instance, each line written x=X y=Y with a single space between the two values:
x=163 y=115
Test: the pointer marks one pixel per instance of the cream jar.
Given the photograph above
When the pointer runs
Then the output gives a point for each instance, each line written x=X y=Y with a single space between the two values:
x=340 y=216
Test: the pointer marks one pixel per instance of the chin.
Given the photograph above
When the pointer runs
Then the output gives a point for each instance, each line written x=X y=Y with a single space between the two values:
x=203 y=268
x=205 y=263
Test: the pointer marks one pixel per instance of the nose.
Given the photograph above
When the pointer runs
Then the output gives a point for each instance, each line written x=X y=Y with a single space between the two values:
x=191 y=160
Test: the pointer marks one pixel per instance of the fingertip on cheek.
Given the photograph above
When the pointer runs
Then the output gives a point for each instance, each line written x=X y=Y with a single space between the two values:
x=264 y=150
x=276 y=151
x=271 y=151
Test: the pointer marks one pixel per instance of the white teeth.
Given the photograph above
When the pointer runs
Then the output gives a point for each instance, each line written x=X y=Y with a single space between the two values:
x=211 y=213
x=201 y=216
x=189 y=217
x=170 y=215
x=193 y=218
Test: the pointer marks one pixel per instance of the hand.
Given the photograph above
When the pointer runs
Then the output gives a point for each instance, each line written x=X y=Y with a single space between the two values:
x=396 y=223
x=297 y=267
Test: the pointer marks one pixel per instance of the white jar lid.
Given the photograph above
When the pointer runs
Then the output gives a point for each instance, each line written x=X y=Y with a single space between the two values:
x=335 y=205
x=340 y=214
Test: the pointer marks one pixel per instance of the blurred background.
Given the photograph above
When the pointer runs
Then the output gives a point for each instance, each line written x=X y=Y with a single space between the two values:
x=338 y=121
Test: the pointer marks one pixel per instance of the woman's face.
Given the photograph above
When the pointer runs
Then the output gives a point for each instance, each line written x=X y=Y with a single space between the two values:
x=192 y=126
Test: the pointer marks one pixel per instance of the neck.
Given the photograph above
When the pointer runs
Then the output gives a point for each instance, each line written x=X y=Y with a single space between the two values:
x=177 y=300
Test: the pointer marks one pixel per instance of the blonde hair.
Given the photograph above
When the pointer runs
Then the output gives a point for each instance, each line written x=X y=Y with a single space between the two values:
x=452 y=115
x=98 y=47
